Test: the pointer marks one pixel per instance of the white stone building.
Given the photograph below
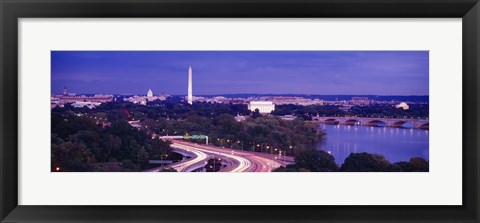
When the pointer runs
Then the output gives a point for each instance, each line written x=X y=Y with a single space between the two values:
x=262 y=106
x=403 y=105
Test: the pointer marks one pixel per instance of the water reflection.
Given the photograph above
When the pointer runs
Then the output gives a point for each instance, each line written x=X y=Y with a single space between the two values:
x=396 y=144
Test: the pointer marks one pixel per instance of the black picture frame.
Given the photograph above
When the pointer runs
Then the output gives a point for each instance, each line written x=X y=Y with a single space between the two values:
x=12 y=10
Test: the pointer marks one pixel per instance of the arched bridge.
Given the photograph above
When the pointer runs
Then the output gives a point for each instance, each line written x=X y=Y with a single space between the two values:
x=371 y=121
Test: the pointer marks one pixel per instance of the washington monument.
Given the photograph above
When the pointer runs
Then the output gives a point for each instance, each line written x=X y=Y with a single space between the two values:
x=189 y=97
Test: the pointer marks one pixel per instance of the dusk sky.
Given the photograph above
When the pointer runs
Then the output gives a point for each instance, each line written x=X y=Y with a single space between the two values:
x=229 y=72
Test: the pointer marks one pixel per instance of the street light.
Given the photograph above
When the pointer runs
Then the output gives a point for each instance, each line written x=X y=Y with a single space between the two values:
x=291 y=148
x=230 y=145
x=261 y=146
x=253 y=146
x=213 y=170
x=161 y=158
x=239 y=143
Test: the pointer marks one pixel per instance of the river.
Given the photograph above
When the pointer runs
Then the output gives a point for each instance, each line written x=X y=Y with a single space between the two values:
x=396 y=144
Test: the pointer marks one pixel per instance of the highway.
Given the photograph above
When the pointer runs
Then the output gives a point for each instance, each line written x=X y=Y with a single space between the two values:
x=196 y=159
x=234 y=163
x=236 y=160
x=191 y=164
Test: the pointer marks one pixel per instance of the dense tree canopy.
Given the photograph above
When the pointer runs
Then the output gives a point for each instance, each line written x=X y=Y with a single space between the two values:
x=311 y=160
x=374 y=110
x=382 y=110
x=365 y=162
x=79 y=144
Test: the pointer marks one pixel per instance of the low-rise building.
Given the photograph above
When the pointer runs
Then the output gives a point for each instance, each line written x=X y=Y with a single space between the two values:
x=87 y=104
x=240 y=118
x=288 y=117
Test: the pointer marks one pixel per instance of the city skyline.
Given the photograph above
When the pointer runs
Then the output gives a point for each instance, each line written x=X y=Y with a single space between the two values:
x=242 y=72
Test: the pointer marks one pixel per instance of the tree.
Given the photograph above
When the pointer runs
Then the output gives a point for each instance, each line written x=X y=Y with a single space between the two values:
x=419 y=164
x=256 y=113
x=112 y=144
x=227 y=124
x=127 y=165
x=365 y=162
x=315 y=160
x=156 y=148
x=288 y=168
x=416 y=164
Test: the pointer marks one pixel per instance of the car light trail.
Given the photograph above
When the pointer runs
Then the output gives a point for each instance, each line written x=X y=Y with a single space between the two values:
x=245 y=161
x=182 y=167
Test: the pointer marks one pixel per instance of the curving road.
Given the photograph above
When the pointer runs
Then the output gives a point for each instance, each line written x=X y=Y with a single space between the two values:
x=234 y=163
x=190 y=164
x=239 y=161
x=186 y=165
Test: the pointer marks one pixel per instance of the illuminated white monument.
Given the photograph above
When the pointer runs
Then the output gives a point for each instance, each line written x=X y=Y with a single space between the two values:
x=262 y=106
x=190 y=97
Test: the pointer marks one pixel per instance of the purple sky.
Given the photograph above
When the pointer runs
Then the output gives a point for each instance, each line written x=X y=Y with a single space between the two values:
x=228 y=72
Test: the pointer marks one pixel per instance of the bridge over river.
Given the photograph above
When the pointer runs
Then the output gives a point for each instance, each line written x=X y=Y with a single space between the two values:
x=371 y=121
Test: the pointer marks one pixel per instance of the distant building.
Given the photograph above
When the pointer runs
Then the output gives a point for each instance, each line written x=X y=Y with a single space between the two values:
x=137 y=99
x=135 y=124
x=285 y=100
x=87 y=104
x=144 y=99
x=64 y=99
x=306 y=102
x=237 y=101
x=337 y=103
x=288 y=117
x=102 y=98
x=345 y=107
x=262 y=106
x=219 y=99
x=240 y=118
x=403 y=105
x=361 y=101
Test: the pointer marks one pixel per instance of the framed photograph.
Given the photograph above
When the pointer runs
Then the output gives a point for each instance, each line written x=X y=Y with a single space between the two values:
x=223 y=111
